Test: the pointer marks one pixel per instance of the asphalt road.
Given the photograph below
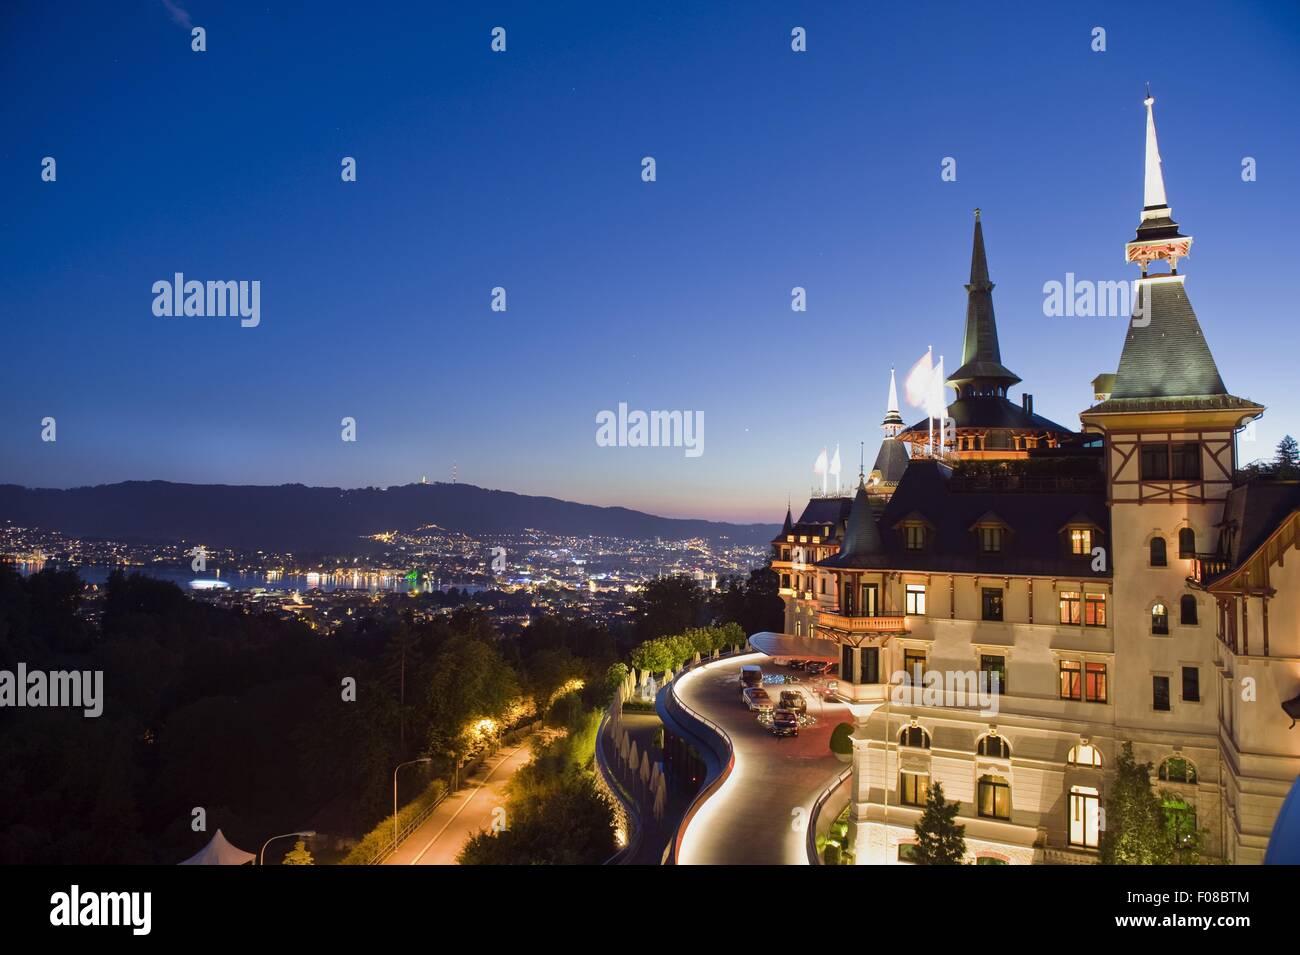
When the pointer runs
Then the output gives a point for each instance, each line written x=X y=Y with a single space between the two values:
x=760 y=814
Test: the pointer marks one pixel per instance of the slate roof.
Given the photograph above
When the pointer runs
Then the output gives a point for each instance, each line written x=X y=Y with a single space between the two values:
x=1255 y=510
x=1169 y=356
x=861 y=536
x=821 y=513
x=891 y=461
x=1034 y=544
x=993 y=411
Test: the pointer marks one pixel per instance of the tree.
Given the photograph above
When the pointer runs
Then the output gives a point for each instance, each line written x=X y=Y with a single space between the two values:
x=669 y=605
x=1287 y=462
x=1135 y=832
x=939 y=840
x=299 y=855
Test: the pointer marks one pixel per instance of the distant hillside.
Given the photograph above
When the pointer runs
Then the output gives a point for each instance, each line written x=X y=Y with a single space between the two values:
x=294 y=517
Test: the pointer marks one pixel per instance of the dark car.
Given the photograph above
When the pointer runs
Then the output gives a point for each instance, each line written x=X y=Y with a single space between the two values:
x=785 y=723
x=816 y=667
x=796 y=664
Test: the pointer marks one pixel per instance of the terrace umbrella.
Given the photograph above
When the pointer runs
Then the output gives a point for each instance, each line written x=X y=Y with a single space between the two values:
x=645 y=769
x=623 y=746
x=634 y=757
x=661 y=799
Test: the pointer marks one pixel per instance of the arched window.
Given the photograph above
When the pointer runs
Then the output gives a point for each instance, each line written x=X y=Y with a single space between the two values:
x=994 y=797
x=1158 y=552
x=1177 y=769
x=915 y=737
x=1187 y=542
x=1085 y=755
x=1160 y=620
x=993 y=745
x=1187 y=610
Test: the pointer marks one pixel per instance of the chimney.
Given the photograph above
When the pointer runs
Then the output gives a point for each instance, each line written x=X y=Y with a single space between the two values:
x=1027 y=402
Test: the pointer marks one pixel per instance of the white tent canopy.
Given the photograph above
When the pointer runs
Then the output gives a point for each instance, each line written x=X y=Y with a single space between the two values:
x=219 y=852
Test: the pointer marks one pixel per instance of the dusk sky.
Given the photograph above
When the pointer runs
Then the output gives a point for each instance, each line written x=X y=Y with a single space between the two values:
x=522 y=169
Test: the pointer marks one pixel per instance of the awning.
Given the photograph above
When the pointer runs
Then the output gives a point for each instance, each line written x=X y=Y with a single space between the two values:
x=220 y=852
x=800 y=648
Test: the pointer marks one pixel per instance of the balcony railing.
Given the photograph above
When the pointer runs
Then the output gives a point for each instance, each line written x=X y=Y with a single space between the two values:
x=1208 y=566
x=863 y=623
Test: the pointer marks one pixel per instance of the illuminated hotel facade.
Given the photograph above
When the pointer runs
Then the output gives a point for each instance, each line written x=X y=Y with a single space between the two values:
x=1118 y=584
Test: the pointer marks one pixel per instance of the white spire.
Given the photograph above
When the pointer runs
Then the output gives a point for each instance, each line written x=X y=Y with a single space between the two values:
x=1154 y=193
x=893 y=393
x=893 y=422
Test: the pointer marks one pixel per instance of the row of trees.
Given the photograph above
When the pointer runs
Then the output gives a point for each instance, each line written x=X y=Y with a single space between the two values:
x=668 y=653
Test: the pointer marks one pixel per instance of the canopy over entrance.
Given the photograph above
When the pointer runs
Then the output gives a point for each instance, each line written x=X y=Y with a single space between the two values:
x=219 y=852
x=800 y=648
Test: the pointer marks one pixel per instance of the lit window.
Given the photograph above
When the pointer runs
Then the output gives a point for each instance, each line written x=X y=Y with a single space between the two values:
x=994 y=797
x=1085 y=755
x=1071 y=680
x=915 y=597
x=914 y=667
x=1160 y=620
x=1070 y=607
x=913 y=788
x=1094 y=682
x=1085 y=814
x=1094 y=610
x=1080 y=541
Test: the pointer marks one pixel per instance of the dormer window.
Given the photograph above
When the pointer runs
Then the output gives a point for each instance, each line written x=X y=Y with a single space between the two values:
x=990 y=539
x=915 y=536
x=1081 y=541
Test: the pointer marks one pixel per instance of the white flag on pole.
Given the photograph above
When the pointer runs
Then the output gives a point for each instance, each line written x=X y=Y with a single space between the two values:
x=935 y=406
x=917 y=384
x=835 y=468
x=819 y=467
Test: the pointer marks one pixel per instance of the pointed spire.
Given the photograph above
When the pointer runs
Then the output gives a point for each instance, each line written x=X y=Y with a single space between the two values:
x=981 y=368
x=1154 y=193
x=893 y=422
x=1157 y=232
x=789 y=521
x=979 y=263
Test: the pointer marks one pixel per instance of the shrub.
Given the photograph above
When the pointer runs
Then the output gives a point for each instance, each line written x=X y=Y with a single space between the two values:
x=841 y=741
x=380 y=836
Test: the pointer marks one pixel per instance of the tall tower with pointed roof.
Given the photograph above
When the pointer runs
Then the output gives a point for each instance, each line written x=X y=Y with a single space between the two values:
x=891 y=459
x=1168 y=424
x=985 y=424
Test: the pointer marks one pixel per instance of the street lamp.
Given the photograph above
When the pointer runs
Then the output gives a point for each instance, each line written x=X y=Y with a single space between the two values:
x=409 y=762
x=261 y=856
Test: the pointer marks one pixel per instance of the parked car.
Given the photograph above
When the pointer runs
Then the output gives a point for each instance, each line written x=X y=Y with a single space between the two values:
x=816 y=667
x=793 y=700
x=785 y=723
x=751 y=675
x=757 y=699
x=830 y=689
x=796 y=664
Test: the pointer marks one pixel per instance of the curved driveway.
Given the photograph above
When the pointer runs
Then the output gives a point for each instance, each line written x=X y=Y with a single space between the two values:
x=760 y=815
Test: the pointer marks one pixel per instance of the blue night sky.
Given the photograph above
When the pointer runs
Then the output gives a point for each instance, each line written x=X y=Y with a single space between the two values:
x=522 y=170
